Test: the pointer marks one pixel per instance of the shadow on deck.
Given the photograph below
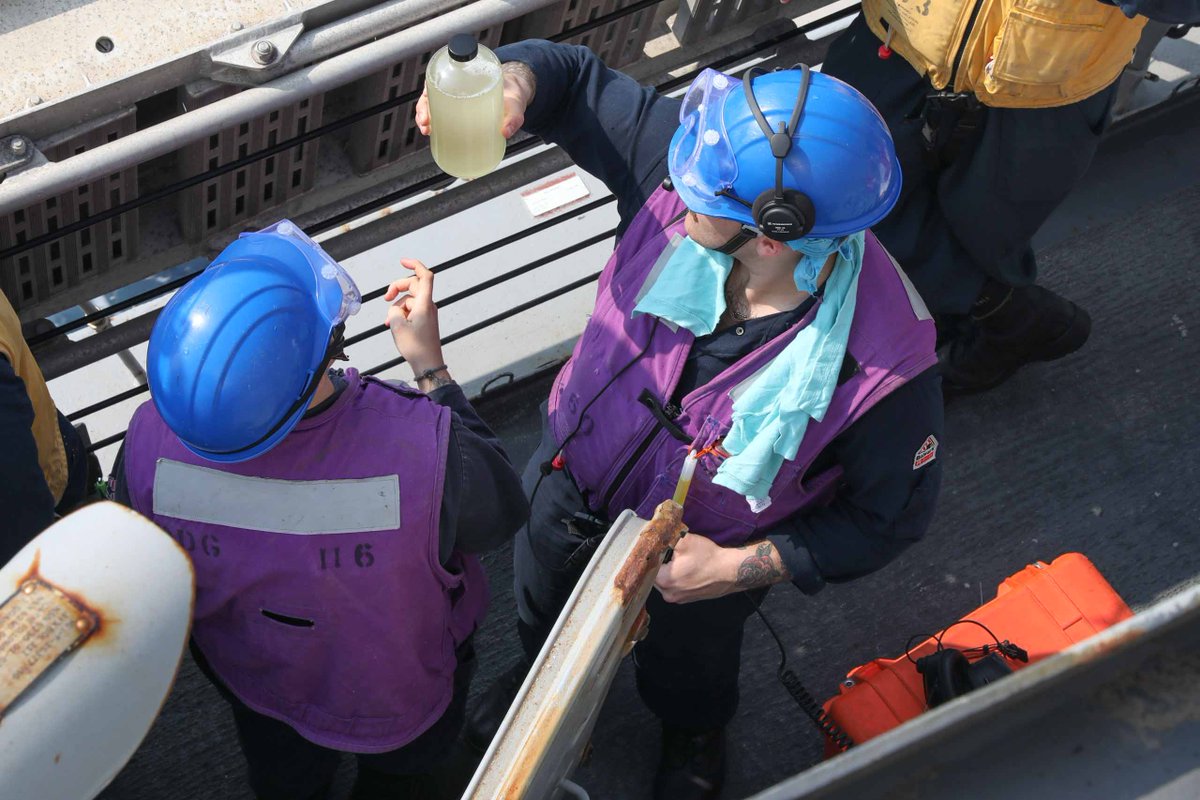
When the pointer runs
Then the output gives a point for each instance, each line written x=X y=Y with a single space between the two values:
x=1096 y=453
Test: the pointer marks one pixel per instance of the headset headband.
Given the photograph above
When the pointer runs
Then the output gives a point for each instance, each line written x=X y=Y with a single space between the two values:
x=781 y=140
x=780 y=214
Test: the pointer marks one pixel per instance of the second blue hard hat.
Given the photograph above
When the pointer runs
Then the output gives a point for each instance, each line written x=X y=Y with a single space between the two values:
x=236 y=354
x=842 y=156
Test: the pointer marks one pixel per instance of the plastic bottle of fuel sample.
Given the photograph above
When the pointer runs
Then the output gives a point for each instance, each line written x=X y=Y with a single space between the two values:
x=466 y=107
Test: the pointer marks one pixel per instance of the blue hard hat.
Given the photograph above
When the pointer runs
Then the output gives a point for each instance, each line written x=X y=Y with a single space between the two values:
x=236 y=354
x=842 y=156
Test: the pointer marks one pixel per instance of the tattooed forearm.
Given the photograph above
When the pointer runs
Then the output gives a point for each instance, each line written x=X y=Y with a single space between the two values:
x=437 y=380
x=762 y=567
x=524 y=76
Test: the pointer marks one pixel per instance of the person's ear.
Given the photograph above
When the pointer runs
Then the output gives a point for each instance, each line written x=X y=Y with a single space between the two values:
x=766 y=247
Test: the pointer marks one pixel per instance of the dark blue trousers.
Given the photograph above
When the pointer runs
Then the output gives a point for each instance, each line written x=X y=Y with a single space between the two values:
x=958 y=225
x=283 y=765
x=687 y=666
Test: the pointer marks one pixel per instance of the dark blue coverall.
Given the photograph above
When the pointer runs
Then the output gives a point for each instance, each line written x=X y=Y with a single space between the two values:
x=973 y=219
x=687 y=669
x=26 y=504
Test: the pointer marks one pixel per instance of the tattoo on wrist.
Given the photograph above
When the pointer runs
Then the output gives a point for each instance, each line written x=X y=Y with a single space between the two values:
x=434 y=379
x=762 y=568
x=524 y=75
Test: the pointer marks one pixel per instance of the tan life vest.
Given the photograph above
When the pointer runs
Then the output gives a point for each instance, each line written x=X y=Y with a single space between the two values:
x=1014 y=53
x=51 y=456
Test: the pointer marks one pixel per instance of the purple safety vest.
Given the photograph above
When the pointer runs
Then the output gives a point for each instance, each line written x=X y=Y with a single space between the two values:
x=320 y=597
x=623 y=456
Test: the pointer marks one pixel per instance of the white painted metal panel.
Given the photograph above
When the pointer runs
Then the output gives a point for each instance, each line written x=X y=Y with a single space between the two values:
x=71 y=731
x=548 y=726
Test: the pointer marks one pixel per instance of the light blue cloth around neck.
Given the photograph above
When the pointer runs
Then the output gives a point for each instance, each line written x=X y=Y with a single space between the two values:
x=813 y=254
x=772 y=413
x=690 y=289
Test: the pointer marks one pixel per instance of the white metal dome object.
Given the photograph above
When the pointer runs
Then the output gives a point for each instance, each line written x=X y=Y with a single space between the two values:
x=94 y=616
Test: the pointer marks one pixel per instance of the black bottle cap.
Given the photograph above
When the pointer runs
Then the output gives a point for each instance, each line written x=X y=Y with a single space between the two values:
x=463 y=47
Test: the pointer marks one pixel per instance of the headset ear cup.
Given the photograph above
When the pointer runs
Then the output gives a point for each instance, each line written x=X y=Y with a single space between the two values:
x=783 y=219
x=775 y=217
x=807 y=213
x=946 y=676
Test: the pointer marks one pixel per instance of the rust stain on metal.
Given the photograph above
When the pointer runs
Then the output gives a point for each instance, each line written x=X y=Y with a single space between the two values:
x=522 y=773
x=40 y=624
x=638 y=632
x=659 y=534
x=105 y=622
x=605 y=619
x=32 y=572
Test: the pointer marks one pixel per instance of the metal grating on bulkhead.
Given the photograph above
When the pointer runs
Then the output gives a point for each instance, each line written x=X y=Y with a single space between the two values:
x=235 y=197
x=387 y=137
x=700 y=18
x=44 y=271
x=618 y=43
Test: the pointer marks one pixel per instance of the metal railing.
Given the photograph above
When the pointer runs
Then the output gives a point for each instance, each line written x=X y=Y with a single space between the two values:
x=459 y=199
x=738 y=55
x=515 y=148
x=47 y=179
x=189 y=88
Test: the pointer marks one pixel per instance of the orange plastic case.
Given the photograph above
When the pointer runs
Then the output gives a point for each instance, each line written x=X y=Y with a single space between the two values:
x=1044 y=608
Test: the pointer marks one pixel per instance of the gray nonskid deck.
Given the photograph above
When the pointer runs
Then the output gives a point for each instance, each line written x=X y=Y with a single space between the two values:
x=1096 y=453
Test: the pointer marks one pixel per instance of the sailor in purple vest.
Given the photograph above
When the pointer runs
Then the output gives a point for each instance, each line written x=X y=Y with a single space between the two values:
x=745 y=304
x=326 y=514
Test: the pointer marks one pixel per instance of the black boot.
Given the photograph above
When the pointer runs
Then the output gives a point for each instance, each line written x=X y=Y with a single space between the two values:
x=1009 y=328
x=484 y=719
x=692 y=764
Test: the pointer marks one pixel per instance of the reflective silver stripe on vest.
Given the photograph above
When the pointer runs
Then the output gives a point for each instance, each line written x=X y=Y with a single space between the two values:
x=200 y=494
x=914 y=297
x=740 y=389
x=651 y=279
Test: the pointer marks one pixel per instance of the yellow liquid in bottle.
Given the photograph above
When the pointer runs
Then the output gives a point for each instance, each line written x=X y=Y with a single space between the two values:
x=465 y=133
